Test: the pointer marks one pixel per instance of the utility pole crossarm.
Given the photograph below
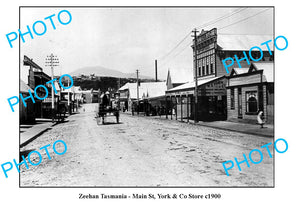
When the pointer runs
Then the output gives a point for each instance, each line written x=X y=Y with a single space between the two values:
x=52 y=61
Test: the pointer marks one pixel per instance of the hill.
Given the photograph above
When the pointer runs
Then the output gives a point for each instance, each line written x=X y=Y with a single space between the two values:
x=105 y=72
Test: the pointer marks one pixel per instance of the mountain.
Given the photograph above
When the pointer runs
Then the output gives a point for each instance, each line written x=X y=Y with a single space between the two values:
x=105 y=72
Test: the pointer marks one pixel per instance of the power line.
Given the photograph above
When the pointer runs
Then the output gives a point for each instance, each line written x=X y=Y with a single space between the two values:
x=207 y=24
x=178 y=53
x=204 y=25
x=243 y=19
x=162 y=58
x=242 y=34
x=223 y=17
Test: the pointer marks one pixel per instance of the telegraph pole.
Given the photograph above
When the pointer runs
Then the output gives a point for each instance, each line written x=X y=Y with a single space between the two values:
x=196 y=76
x=137 y=90
x=52 y=61
x=69 y=108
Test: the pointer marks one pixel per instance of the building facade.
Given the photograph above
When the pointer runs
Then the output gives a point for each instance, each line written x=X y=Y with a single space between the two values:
x=37 y=77
x=250 y=91
x=209 y=49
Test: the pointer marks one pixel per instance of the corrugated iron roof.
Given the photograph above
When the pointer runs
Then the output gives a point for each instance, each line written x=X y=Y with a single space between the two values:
x=124 y=87
x=146 y=89
x=191 y=85
x=243 y=42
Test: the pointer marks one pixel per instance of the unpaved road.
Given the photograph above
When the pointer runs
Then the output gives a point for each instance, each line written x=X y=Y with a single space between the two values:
x=144 y=151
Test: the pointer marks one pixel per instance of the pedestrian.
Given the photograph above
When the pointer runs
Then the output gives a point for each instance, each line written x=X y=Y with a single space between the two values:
x=260 y=119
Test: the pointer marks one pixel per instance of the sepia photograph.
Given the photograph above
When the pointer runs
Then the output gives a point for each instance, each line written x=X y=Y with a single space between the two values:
x=146 y=96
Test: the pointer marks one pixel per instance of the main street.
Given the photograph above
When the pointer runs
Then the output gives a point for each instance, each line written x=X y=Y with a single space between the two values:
x=144 y=151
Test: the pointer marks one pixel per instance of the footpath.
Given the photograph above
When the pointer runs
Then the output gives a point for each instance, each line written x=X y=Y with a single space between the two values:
x=29 y=132
x=246 y=128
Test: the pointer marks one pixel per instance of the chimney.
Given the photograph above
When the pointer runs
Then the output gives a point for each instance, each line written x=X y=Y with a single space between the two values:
x=155 y=70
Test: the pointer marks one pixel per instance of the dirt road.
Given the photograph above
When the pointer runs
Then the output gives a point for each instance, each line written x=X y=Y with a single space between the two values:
x=144 y=151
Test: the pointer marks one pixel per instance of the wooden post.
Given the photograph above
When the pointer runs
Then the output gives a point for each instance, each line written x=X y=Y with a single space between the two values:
x=176 y=108
x=196 y=77
x=166 y=108
x=181 y=115
x=187 y=107
x=171 y=107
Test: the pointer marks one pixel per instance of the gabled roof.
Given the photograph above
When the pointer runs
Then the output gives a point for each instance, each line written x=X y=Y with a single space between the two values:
x=191 y=85
x=268 y=70
x=238 y=71
x=146 y=89
x=29 y=62
x=244 y=42
x=24 y=87
x=125 y=87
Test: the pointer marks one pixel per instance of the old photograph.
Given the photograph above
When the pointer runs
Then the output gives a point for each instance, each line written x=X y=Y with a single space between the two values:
x=146 y=96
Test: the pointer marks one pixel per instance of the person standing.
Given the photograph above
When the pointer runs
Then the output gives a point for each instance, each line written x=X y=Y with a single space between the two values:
x=260 y=119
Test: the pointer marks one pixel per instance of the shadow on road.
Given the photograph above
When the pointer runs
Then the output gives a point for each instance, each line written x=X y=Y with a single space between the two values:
x=109 y=123
x=24 y=153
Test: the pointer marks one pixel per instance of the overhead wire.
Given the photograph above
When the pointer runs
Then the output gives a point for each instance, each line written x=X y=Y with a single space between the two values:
x=244 y=19
x=217 y=20
x=204 y=25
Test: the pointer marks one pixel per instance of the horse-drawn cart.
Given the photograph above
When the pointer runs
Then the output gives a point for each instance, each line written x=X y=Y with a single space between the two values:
x=106 y=108
x=104 y=112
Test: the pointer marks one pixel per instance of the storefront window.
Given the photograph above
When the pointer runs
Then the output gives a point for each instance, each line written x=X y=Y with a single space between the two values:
x=251 y=102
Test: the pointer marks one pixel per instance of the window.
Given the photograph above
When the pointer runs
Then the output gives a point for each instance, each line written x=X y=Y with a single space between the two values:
x=199 y=71
x=207 y=69
x=232 y=98
x=203 y=71
x=251 y=102
x=212 y=68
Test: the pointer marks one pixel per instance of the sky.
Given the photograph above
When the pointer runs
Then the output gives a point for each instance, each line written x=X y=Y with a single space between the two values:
x=127 y=39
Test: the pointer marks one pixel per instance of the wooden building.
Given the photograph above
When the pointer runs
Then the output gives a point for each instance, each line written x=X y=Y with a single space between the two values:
x=211 y=48
x=249 y=91
x=37 y=77
x=27 y=114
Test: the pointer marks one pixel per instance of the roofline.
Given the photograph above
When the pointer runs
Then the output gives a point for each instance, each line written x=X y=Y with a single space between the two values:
x=170 y=91
x=30 y=62
x=246 y=74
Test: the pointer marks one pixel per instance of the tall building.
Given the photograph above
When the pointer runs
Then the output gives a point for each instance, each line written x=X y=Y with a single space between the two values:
x=211 y=75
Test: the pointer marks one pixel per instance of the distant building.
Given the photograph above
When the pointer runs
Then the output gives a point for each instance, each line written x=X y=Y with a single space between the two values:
x=129 y=92
x=87 y=96
x=250 y=90
x=151 y=95
x=210 y=50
